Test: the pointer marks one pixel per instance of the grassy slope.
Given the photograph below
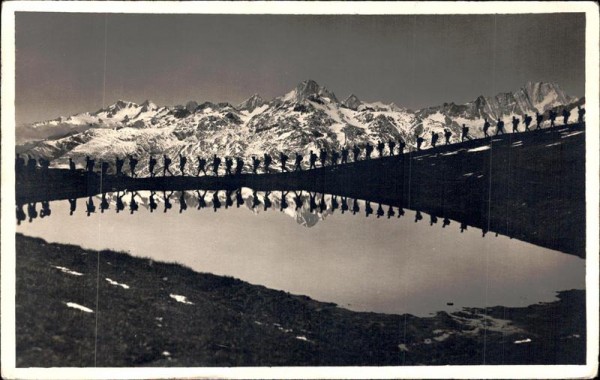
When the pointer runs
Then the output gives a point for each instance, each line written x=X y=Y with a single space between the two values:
x=233 y=323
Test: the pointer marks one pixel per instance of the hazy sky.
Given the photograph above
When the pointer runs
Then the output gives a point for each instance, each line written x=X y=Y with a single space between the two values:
x=413 y=61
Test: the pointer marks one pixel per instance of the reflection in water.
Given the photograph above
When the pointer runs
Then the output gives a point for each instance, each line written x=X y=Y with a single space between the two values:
x=373 y=264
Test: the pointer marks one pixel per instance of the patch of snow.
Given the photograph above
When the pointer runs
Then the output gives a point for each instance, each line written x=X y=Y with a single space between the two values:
x=302 y=337
x=479 y=149
x=67 y=271
x=79 y=307
x=403 y=347
x=182 y=299
x=117 y=284
x=467 y=175
x=554 y=144
x=166 y=353
x=571 y=134
x=522 y=341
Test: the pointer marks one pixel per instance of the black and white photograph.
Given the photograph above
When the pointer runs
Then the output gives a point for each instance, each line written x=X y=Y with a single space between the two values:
x=357 y=190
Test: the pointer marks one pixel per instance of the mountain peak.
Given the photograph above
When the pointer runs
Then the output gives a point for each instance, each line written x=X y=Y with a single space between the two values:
x=352 y=102
x=309 y=89
x=251 y=103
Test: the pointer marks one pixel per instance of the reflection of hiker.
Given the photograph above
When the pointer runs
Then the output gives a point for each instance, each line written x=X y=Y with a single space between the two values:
x=216 y=201
x=228 y=201
x=151 y=165
x=434 y=138
x=298 y=200
x=298 y=162
x=447 y=135
x=323 y=157
x=201 y=166
x=228 y=165
x=515 y=124
x=267 y=162
x=400 y=212
x=21 y=216
x=538 y=119
x=239 y=200
x=153 y=204
x=182 y=202
x=368 y=208
x=334 y=203
x=344 y=155
x=104 y=203
x=391 y=146
x=255 y=201
x=71 y=164
x=499 y=127
x=355 y=152
x=355 y=207
x=390 y=212
x=119 y=165
x=182 y=162
x=167 y=201
x=32 y=212
x=90 y=207
x=580 y=114
x=255 y=164
x=566 y=114
x=311 y=201
x=267 y=201
x=486 y=126
x=201 y=200
x=463 y=227
x=418 y=216
x=419 y=143
x=132 y=164
x=368 y=151
x=465 y=133
x=322 y=204
x=133 y=206
x=380 y=211
x=380 y=148
x=72 y=205
x=239 y=165
x=89 y=164
x=45 y=211
x=527 y=121
x=166 y=165
x=284 y=204
x=445 y=223
x=344 y=204
x=120 y=205
x=432 y=219
x=552 y=118
x=283 y=159
x=215 y=164
x=334 y=158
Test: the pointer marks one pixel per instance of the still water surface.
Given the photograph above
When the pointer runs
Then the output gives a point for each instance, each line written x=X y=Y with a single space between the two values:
x=390 y=265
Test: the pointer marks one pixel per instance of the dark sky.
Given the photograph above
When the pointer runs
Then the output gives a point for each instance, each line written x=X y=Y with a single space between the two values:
x=413 y=61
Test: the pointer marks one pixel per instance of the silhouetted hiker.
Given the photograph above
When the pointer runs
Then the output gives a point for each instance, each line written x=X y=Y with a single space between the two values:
x=334 y=203
x=335 y=156
x=90 y=207
x=44 y=166
x=151 y=165
x=284 y=204
x=32 y=212
x=216 y=201
x=119 y=165
x=133 y=206
x=538 y=119
x=380 y=148
x=255 y=201
x=228 y=165
x=390 y=212
x=486 y=126
x=552 y=118
x=104 y=168
x=527 y=121
x=201 y=166
x=239 y=200
x=267 y=162
x=432 y=219
x=465 y=133
x=401 y=146
x=20 y=164
x=344 y=204
x=167 y=201
x=89 y=164
x=445 y=223
x=566 y=114
x=228 y=201
x=312 y=202
x=447 y=135
x=368 y=151
x=201 y=200
x=45 y=211
x=345 y=152
x=400 y=212
x=298 y=200
x=153 y=204
x=104 y=203
x=380 y=211
x=182 y=202
x=434 y=138
x=72 y=205
x=499 y=127
x=355 y=152
x=515 y=124
x=166 y=165
x=580 y=114
x=239 y=165
x=298 y=162
x=268 y=203
x=355 y=207
x=283 y=159
x=182 y=162
x=322 y=204
x=21 y=216
x=255 y=164
x=419 y=143
x=323 y=157
x=312 y=160
x=463 y=227
x=418 y=216
x=368 y=208
x=391 y=146
x=215 y=164
x=132 y=164
x=120 y=204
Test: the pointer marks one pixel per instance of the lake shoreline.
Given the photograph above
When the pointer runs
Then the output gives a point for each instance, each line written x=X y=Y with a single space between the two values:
x=150 y=313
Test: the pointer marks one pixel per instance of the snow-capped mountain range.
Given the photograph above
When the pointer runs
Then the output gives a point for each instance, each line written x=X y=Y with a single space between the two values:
x=309 y=117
